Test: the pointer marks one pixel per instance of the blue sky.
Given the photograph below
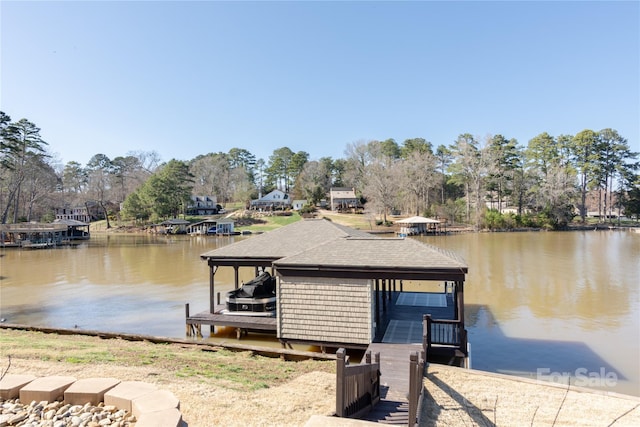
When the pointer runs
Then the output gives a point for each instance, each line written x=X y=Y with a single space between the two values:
x=190 y=78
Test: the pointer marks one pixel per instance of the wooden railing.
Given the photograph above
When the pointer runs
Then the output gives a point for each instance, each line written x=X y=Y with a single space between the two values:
x=443 y=332
x=416 y=386
x=357 y=386
x=446 y=332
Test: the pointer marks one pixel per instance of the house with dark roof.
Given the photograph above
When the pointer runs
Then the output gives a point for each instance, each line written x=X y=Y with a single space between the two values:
x=343 y=199
x=336 y=285
x=75 y=213
x=203 y=205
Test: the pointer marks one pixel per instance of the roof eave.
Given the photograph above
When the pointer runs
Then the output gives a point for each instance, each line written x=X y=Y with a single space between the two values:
x=371 y=272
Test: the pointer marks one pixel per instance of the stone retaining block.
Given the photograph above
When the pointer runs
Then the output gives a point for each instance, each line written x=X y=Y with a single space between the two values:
x=152 y=407
x=124 y=393
x=11 y=384
x=89 y=390
x=166 y=418
x=48 y=389
x=156 y=401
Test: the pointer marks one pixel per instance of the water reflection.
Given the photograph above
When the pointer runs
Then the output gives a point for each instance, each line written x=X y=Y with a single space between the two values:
x=592 y=276
x=562 y=301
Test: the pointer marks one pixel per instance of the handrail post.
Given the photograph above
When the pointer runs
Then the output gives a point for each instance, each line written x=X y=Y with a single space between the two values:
x=426 y=335
x=376 y=359
x=340 y=382
x=413 y=388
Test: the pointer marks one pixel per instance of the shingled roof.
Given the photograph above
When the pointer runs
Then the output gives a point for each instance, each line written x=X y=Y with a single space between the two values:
x=321 y=247
x=382 y=258
x=292 y=239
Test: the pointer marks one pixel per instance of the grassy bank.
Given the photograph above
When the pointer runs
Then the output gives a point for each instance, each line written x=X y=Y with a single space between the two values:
x=239 y=370
x=214 y=386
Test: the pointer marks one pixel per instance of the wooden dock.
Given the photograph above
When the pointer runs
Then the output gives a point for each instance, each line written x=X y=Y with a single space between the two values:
x=242 y=323
x=393 y=407
x=402 y=337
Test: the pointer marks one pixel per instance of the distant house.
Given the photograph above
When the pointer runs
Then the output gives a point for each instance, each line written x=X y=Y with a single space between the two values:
x=277 y=199
x=76 y=213
x=296 y=205
x=203 y=205
x=343 y=198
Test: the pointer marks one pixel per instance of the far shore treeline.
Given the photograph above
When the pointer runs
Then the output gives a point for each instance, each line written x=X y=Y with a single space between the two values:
x=490 y=182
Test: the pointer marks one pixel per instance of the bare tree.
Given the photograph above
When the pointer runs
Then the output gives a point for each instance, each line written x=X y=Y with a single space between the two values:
x=99 y=185
x=418 y=178
x=470 y=168
x=382 y=180
x=212 y=175
x=40 y=183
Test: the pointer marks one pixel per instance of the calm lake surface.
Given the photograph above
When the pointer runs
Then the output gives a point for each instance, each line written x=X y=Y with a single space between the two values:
x=546 y=305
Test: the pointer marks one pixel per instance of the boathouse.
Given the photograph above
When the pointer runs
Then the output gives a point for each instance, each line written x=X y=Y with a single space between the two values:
x=76 y=230
x=337 y=286
x=218 y=227
x=419 y=225
x=32 y=235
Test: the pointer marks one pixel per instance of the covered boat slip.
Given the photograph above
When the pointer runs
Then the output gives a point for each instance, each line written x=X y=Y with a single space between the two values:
x=419 y=225
x=42 y=235
x=340 y=287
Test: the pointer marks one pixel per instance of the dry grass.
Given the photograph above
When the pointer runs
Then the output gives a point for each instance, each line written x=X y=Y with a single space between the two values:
x=468 y=398
x=214 y=387
x=365 y=222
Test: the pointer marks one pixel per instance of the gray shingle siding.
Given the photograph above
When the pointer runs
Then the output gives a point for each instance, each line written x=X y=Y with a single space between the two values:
x=324 y=311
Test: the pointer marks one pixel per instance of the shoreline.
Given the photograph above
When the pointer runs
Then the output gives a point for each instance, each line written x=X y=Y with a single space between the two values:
x=299 y=355
x=451 y=395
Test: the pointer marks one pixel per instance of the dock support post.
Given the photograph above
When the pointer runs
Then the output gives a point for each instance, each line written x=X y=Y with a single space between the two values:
x=188 y=326
x=377 y=291
x=212 y=275
x=384 y=295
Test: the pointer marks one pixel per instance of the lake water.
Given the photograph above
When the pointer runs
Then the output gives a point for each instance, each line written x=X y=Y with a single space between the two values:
x=541 y=305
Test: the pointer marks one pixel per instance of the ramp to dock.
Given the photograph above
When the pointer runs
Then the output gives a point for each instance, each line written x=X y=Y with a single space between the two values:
x=393 y=407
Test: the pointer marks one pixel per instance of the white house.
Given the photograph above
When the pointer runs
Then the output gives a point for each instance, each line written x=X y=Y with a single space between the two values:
x=277 y=199
x=296 y=205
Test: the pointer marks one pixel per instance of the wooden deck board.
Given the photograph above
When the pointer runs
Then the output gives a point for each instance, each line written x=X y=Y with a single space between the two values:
x=400 y=342
x=257 y=323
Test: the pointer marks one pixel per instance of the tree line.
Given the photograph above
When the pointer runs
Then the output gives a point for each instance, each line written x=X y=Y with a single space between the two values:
x=490 y=182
